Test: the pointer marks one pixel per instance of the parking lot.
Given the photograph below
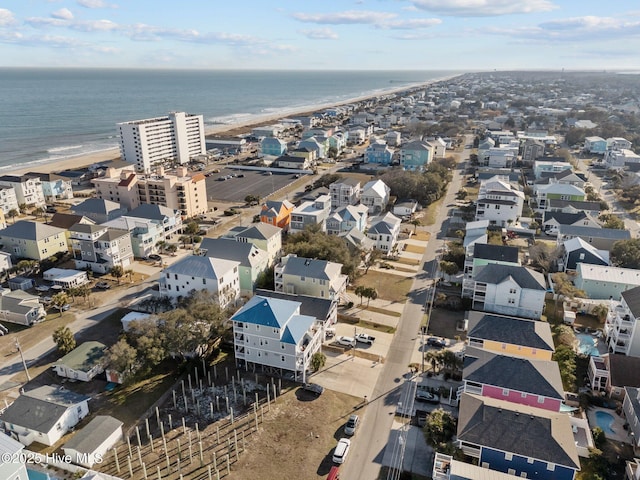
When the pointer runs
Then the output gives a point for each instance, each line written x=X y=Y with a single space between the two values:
x=235 y=190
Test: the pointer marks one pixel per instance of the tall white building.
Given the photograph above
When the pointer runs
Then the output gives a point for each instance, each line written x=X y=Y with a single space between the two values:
x=178 y=136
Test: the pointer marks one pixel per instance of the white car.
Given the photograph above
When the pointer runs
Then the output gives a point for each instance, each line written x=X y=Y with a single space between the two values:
x=347 y=341
x=340 y=453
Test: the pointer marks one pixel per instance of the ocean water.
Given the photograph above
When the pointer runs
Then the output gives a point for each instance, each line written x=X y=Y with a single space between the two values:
x=50 y=114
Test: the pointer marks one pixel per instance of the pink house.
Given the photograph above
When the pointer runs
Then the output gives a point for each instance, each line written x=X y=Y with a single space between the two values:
x=520 y=380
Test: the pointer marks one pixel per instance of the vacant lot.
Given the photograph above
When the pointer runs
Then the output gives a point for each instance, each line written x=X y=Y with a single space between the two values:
x=390 y=287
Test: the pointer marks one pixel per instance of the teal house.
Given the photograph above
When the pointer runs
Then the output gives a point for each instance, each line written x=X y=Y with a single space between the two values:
x=415 y=155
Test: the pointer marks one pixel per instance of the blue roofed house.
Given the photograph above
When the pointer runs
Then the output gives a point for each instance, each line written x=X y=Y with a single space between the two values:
x=272 y=334
x=253 y=261
x=509 y=290
x=516 y=439
x=378 y=152
x=346 y=218
x=415 y=155
x=193 y=273
x=273 y=146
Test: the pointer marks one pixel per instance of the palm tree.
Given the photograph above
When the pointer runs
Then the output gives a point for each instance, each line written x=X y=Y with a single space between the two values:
x=416 y=223
x=435 y=359
x=23 y=208
x=162 y=244
x=171 y=248
x=184 y=239
x=13 y=213
x=129 y=273
x=117 y=272
x=38 y=211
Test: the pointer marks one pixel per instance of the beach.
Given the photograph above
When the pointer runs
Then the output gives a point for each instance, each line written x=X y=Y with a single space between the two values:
x=86 y=160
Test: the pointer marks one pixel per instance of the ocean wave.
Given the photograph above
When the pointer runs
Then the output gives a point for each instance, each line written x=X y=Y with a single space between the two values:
x=228 y=119
x=58 y=155
x=63 y=149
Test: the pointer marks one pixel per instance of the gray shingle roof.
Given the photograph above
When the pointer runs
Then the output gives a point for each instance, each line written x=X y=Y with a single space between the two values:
x=226 y=249
x=94 y=434
x=538 y=377
x=578 y=205
x=260 y=231
x=632 y=299
x=27 y=230
x=201 y=267
x=151 y=212
x=494 y=273
x=312 y=306
x=96 y=205
x=495 y=252
x=564 y=218
x=594 y=232
x=312 y=268
x=527 y=431
x=510 y=330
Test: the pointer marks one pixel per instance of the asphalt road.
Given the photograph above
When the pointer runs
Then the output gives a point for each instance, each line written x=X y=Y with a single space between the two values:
x=367 y=449
x=253 y=183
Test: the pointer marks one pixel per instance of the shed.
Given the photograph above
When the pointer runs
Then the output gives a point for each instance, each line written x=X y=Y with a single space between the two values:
x=90 y=445
x=82 y=363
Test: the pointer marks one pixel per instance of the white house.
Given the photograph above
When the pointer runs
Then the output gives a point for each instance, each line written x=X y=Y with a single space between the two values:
x=344 y=192
x=375 y=196
x=509 y=290
x=91 y=444
x=272 y=334
x=405 y=208
x=83 y=362
x=499 y=202
x=66 y=277
x=384 y=231
x=306 y=276
x=44 y=414
x=20 y=307
x=346 y=218
x=12 y=459
x=621 y=328
x=616 y=159
x=220 y=277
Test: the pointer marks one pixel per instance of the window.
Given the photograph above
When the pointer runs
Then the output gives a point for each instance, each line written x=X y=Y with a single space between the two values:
x=530 y=461
x=512 y=301
x=505 y=392
x=511 y=471
x=508 y=456
x=512 y=291
x=523 y=394
x=283 y=358
x=551 y=467
x=540 y=399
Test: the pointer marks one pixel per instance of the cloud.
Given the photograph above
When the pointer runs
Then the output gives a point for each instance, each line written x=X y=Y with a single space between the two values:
x=54 y=41
x=350 y=17
x=95 y=4
x=95 y=26
x=484 y=8
x=413 y=24
x=63 y=13
x=6 y=17
x=320 y=34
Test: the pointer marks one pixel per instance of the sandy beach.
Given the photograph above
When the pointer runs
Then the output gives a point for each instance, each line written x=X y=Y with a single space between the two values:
x=85 y=160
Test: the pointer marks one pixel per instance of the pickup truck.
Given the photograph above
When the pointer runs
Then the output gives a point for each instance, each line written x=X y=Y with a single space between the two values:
x=364 y=338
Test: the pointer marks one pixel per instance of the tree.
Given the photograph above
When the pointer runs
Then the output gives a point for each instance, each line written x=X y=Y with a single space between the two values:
x=416 y=223
x=184 y=239
x=332 y=153
x=326 y=180
x=64 y=340
x=252 y=199
x=84 y=291
x=370 y=260
x=370 y=293
x=23 y=208
x=612 y=221
x=161 y=245
x=455 y=253
x=122 y=358
x=626 y=253
x=434 y=358
x=360 y=291
x=543 y=256
x=59 y=300
x=439 y=429
x=566 y=358
x=600 y=311
x=12 y=214
x=117 y=272
x=171 y=248
x=73 y=292
x=450 y=268
x=39 y=211
x=129 y=273
x=28 y=266
x=318 y=360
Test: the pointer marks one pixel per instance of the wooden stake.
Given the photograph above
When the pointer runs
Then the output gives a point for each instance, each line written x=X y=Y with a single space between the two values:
x=115 y=455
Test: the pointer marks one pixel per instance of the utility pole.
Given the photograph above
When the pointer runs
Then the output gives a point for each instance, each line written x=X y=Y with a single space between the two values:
x=24 y=364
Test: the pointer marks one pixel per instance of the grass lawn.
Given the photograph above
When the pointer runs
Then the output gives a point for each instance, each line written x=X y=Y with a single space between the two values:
x=422 y=236
x=414 y=248
x=390 y=287
x=430 y=213
x=407 y=261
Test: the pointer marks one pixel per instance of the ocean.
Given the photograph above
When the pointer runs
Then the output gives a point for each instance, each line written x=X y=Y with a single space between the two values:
x=50 y=114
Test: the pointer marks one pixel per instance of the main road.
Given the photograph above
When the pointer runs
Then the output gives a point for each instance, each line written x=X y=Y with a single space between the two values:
x=367 y=449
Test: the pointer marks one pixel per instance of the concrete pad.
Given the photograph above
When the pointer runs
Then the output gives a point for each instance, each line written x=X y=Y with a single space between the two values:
x=346 y=374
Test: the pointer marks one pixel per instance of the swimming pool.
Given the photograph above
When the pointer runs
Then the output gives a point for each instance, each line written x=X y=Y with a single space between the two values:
x=604 y=421
x=37 y=475
x=588 y=344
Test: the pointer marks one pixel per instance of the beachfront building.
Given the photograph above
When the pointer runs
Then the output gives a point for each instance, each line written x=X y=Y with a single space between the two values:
x=100 y=248
x=28 y=189
x=8 y=199
x=54 y=187
x=146 y=143
x=33 y=240
x=177 y=190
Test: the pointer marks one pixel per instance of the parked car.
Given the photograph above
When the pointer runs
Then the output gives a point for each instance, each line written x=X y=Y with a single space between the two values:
x=103 y=285
x=364 y=338
x=428 y=397
x=66 y=307
x=341 y=451
x=51 y=209
x=435 y=342
x=240 y=175
x=268 y=173
x=347 y=341
x=43 y=288
x=313 y=388
x=155 y=257
x=352 y=424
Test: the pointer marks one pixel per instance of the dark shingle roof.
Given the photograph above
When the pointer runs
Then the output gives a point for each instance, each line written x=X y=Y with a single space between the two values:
x=312 y=306
x=511 y=330
x=632 y=299
x=624 y=370
x=594 y=232
x=495 y=252
x=519 y=429
x=525 y=277
x=564 y=218
x=538 y=377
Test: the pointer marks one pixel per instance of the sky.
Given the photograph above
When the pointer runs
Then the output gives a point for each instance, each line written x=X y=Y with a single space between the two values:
x=327 y=35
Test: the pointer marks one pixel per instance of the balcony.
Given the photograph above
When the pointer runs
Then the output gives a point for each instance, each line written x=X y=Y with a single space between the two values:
x=471 y=389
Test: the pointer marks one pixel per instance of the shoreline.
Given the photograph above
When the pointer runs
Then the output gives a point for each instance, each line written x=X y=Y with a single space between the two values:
x=87 y=159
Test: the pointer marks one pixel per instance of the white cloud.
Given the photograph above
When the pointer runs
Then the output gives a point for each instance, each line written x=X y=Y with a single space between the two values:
x=6 y=17
x=95 y=26
x=63 y=13
x=412 y=24
x=55 y=41
x=95 y=4
x=345 y=18
x=484 y=8
x=319 y=34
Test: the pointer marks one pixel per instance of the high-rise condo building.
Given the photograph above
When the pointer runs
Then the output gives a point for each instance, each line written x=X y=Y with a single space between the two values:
x=147 y=143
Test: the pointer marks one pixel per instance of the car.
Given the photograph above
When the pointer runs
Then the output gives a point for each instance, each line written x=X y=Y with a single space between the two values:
x=240 y=175
x=346 y=341
x=268 y=173
x=341 y=451
x=103 y=285
x=66 y=307
x=364 y=338
x=222 y=179
x=45 y=300
x=51 y=209
x=428 y=397
x=155 y=257
x=42 y=288
x=352 y=424
x=297 y=175
x=435 y=342
x=313 y=388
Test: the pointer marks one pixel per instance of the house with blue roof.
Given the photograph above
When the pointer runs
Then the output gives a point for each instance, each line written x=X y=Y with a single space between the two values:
x=272 y=334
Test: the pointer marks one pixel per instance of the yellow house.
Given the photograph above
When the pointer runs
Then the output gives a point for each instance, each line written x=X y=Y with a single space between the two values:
x=33 y=240
x=510 y=335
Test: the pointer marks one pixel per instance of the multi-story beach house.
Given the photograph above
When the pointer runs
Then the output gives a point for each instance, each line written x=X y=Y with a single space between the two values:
x=100 y=247
x=277 y=213
x=415 y=155
x=54 y=187
x=145 y=234
x=273 y=146
x=262 y=235
x=384 y=231
x=8 y=199
x=604 y=282
x=168 y=218
x=481 y=254
x=346 y=218
x=499 y=202
x=344 y=192
x=99 y=210
x=33 y=240
x=622 y=329
x=378 y=152
x=308 y=213
x=597 y=145
x=557 y=191
x=375 y=196
x=151 y=142
x=272 y=334
x=194 y=272
x=28 y=189
x=307 y=276
x=178 y=190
